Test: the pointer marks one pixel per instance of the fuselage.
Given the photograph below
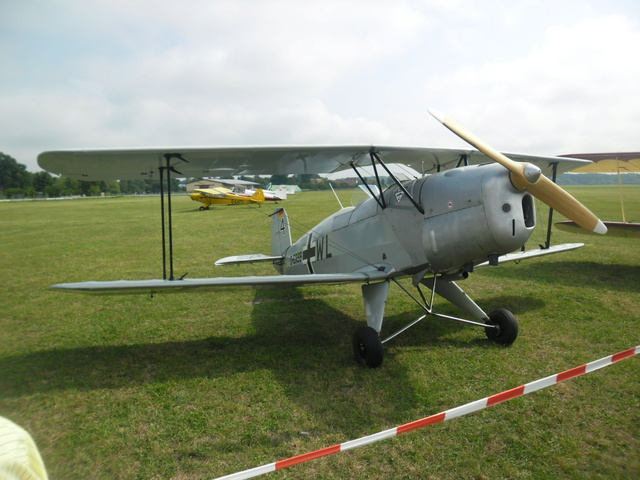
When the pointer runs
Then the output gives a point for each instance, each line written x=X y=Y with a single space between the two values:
x=470 y=214
x=223 y=196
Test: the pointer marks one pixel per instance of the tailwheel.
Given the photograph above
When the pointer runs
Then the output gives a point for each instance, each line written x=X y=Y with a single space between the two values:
x=367 y=347
x=505 y=330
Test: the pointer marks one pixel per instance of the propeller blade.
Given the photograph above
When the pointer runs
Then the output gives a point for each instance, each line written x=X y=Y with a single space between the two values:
x=562 y=201
x=529 y=178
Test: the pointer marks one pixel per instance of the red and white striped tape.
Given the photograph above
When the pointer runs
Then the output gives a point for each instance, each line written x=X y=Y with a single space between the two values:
x=439 y=417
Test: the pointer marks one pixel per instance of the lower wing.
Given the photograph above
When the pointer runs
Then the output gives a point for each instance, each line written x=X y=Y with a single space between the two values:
x=153 y=287
x=517 y=256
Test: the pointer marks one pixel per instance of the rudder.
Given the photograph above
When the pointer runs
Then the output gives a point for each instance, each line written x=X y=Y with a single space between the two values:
x=280 y=232
x=258 y=196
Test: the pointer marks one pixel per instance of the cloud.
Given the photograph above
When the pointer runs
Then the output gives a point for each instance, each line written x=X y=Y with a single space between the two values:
x=139 y=73
x=573 y=91
x=143 y=73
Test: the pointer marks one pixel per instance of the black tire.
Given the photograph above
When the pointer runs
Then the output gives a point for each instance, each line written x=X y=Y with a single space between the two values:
x=202 y=209
x=507 y=330
x=367 y=347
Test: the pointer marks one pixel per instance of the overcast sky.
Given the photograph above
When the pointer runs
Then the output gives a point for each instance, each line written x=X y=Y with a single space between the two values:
x=541 y=76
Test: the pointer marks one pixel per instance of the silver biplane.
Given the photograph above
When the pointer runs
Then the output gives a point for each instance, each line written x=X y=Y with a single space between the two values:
x=469 y=208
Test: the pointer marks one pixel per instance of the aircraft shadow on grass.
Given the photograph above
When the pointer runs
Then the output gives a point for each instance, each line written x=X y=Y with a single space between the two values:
x=579 y=274
x=307 y=356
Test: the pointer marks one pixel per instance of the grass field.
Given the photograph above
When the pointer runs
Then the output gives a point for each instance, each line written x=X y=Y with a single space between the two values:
x=198 y=386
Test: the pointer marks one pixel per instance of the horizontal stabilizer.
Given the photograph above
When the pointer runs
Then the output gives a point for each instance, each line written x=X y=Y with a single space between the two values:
x=153 y=287
x=515 y=257
x=254 y=257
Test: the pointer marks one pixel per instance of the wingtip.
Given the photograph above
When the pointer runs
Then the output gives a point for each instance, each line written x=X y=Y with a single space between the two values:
x=436 y=114
x=601 y=228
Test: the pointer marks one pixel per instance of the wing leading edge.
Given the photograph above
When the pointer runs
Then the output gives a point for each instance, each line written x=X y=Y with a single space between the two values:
x=153 y=287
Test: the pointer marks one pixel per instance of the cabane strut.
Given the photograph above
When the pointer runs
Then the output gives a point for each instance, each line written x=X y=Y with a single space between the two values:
x=375 y=159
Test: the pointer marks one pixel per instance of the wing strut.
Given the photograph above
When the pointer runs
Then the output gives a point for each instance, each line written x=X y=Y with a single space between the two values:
x=167 y=218
x=550 y=223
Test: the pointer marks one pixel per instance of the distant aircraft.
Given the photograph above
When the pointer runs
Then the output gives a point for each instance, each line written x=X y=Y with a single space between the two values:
x=621 y=162
x=463 y=213
x=269 y=195
x=224 y=196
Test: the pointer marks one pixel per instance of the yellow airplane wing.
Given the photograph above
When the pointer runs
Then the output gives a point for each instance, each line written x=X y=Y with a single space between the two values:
x=622 y=162
x=218 y=192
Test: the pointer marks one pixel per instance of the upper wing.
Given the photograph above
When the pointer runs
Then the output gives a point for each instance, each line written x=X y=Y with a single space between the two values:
x=144 y=163
x=210 y=284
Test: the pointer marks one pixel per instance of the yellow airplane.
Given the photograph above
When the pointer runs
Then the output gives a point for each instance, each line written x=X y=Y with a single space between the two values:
x=224 y=196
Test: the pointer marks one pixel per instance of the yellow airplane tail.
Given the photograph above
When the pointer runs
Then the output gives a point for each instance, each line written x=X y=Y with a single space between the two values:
x=258 y=197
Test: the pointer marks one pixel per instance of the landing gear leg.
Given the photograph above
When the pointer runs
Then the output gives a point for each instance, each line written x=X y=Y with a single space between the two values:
x=500 y=325
x=367 y=346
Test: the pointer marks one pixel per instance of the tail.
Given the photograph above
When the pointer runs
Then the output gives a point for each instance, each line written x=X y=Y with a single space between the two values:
x=280 y=232
x=281 y=193
x=258 y=197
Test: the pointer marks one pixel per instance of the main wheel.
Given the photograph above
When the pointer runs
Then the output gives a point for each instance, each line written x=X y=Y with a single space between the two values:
x=507 y=327
x=367 y=347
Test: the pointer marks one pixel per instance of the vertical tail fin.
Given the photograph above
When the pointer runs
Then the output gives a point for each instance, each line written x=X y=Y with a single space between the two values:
x=280 y=232
x=258 y=196
x=281 y=193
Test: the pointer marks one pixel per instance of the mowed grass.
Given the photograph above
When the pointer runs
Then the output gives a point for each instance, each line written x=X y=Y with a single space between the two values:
x=195 y=386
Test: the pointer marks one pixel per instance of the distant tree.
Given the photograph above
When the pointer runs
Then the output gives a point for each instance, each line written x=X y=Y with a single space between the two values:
x=113 y=187
x=94 y=191
x=14 y=192
x=132 y=186
x=89 y=188
x=68 y=186
x=42 y=180
x=52 y=190
x=13 y=174
x=260 y=180
x=279 y=179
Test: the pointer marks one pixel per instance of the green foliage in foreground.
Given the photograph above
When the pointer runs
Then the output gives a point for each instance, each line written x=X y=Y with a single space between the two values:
x=197 y=386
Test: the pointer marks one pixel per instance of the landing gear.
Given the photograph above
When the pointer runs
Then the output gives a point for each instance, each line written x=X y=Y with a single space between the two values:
x=204 y=208
x=500 y=325
x=367 y=347
x=504 y=329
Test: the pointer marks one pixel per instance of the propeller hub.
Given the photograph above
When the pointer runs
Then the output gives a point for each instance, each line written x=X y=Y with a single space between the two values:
x=531 y=173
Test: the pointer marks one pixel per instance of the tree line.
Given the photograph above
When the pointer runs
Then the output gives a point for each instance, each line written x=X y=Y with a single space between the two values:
x=17 y=182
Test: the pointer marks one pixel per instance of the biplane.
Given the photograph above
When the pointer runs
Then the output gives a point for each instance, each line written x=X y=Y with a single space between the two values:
x=468 y=208
x=225 y=196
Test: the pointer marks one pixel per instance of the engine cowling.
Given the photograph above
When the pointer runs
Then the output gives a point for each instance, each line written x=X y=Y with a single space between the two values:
x=468 y=221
